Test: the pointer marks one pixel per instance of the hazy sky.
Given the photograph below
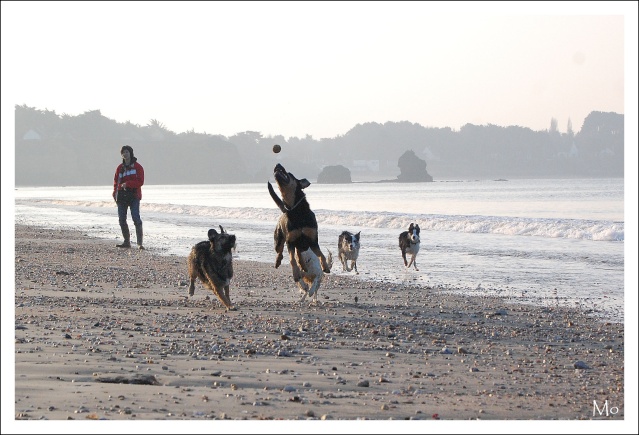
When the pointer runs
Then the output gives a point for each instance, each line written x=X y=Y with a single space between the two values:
x=317 y=68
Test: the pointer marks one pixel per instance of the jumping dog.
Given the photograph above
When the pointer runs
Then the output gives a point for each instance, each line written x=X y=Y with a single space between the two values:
x=297 y=226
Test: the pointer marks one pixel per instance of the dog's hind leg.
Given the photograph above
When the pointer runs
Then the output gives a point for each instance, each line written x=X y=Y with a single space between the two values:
x=227 y=296
x=326 y=267
x=404 y=257
x=279 y=239
x=295 y=261
x=192 y=268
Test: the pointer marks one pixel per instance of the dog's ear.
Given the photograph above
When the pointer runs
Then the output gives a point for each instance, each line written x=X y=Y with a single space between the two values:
x=212 y=234
x=304 y=183
x=222 y=230
x=357 y=235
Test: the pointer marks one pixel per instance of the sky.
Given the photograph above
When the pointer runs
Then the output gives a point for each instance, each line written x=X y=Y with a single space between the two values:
x=317 y=68
x=321 y=68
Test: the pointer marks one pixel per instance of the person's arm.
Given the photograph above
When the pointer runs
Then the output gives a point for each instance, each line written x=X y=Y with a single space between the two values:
x=115 y=179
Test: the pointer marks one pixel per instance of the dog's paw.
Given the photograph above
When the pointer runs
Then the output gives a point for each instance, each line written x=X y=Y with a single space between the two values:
x=231 y=308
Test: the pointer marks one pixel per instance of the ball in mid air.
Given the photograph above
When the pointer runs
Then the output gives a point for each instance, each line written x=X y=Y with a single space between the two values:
x=277 y=148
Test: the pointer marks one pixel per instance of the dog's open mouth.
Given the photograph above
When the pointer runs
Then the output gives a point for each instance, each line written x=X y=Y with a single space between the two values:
x=280 y=174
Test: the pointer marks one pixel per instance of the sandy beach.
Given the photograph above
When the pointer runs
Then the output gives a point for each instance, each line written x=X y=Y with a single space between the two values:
x=110 y=334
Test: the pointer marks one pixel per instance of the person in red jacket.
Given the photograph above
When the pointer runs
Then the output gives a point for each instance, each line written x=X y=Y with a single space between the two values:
x=129 y=178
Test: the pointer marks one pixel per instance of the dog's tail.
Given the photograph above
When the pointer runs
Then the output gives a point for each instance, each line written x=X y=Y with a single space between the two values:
x=329 y=259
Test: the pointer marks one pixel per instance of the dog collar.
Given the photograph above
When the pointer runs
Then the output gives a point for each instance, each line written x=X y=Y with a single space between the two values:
x=296 y=204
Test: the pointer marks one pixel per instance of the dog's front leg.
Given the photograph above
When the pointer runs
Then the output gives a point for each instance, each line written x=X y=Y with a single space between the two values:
x=342 y=259
x=345 y=263
x=412 y=262
x=404 y=257
x=354 y=266
x=222 y=294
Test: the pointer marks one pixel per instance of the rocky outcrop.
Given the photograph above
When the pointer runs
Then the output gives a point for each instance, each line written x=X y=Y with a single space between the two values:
x=412 y=169
x=334 y=175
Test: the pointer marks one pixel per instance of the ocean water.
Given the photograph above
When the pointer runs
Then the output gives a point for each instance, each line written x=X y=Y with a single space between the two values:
x=547 y=242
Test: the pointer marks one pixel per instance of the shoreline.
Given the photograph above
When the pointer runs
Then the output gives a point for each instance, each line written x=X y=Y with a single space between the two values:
x=114 y=335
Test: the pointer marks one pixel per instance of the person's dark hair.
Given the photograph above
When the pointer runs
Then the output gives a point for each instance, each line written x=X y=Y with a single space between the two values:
x=127 y=147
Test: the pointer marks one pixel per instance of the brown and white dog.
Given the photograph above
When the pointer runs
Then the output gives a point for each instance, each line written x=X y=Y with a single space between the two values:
x=212 y=261
x=409 y=244
x=297 y=226
x=348 y=249
x=312 y=275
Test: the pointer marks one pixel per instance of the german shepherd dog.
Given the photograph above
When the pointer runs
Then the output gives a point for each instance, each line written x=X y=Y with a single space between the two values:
x=297 y=226
x=348 y=249
x=409 y=244
x=211 y=261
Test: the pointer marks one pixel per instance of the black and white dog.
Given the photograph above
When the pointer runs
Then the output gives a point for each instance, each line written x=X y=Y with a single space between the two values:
x=348 y=249
x=409 y=244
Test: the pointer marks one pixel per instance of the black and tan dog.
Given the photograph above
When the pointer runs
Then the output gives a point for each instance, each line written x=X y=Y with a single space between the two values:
x=212 y=261
x=297 y=226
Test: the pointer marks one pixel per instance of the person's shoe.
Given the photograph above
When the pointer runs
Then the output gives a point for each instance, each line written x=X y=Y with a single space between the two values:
x=124 y=245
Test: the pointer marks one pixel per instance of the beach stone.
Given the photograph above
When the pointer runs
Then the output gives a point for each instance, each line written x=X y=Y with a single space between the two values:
x=581 y=365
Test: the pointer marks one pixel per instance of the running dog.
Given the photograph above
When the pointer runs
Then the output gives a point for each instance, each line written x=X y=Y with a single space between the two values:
x=312 y=275
x=297 y=226
x=212 y=261
x=348 y=249
x=409 y=244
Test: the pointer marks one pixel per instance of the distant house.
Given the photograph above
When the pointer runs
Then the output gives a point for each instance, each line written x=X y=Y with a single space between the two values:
x=31 y=135
x=428 y=154
x=570 y=154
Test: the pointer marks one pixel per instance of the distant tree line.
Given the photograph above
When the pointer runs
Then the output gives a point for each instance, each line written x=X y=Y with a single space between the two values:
x=52 y=149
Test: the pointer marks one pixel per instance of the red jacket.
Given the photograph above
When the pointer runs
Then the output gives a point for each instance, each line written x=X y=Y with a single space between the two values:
x=133 y=176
